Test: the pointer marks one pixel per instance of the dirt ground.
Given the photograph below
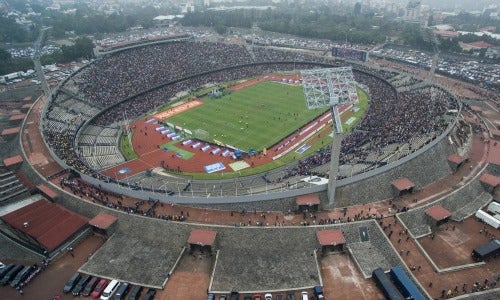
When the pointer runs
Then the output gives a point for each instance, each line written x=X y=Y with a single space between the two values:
x=343 y=280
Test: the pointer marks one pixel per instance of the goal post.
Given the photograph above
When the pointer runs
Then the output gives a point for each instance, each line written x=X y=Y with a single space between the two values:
x=201 y=134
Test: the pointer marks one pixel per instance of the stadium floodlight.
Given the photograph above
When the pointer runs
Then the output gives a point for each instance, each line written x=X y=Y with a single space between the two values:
x=330 y=87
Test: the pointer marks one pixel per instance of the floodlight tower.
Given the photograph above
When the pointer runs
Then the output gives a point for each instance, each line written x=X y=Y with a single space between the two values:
x=331 y=87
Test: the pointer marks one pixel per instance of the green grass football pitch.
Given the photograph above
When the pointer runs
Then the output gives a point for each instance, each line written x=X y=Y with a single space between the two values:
x=252 y=118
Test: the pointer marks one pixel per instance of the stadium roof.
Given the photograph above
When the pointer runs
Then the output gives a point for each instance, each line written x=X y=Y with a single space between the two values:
x=14 y=160
x=13 y=130
x=309 y=199
x=330 y=237
x=402 y=184
x=202 y=237
x=103 y=221
x=476 y=108
x=47 y=191
x=18 y=117
x=457 y=159
x=490 y=180
x=47 y=223
x=438 y=213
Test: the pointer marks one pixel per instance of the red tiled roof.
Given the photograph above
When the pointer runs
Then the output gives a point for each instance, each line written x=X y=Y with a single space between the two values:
x=479 y=44
x=446 y=32
x=438 y=213
x=14 y=160
x=17 y=117
x=309 y=199
x=103 y=221
x=489 y=179
x=476 y=108
x=27 y=98
x=330 y=237
x=47 y=191
x=402 y=184
x=495 y=132
x=28 y=106
x=47 y=223
x=454 y=158
x=488 y=28
x=12 y=130
x=202 y=237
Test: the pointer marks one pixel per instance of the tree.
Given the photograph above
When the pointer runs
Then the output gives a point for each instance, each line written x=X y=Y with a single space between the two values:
x=220 y=28
x=82 y=49
x=4 y=55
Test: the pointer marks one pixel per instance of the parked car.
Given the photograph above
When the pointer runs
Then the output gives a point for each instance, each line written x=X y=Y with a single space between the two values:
x=122 y=291
x=135 y=293
x=247 y=297
x=89 y=287
x=21 y=276
x=210 y=296
x=235 y=295
x=280 y=297
x=11 y=274
x=268 y=296
x=2 y=265
x=318 y=292
x=223 y=297
x=150 y=294
x=304 y=295
x=80 y=285
x=110 y=289
x=99 y=288
x=290 y=296
x=6 y=270
x=256 y=297
x=72 y=281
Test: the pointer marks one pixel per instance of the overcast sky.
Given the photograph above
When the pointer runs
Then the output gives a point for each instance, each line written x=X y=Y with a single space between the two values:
x=466 y=4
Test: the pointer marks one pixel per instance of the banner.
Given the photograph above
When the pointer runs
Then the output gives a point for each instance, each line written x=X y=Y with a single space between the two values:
x=214 y=167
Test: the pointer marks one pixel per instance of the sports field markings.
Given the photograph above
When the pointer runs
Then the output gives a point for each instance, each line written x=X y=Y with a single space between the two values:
x=239 y=165
x=181 y=153
x=303 y=149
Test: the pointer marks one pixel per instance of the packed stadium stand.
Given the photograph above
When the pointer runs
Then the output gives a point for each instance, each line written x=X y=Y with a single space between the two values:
x=406 y=126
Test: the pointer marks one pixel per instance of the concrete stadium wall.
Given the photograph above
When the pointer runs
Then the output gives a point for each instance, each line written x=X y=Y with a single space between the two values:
x=422 y=167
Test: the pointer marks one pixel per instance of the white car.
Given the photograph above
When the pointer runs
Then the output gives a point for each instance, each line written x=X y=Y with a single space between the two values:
x=2 y=265
x=268 y=296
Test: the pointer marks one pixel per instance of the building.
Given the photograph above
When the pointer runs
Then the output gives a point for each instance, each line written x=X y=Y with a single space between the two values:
x=412 y=12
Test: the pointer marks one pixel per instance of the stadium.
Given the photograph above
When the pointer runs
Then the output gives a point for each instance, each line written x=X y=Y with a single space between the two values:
x=407 y=136
x=94 y=135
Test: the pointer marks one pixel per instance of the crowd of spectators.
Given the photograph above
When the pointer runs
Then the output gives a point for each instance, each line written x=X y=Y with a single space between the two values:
x=123 y=74
x=162 y=95
x=149 y=77
x=391 y=119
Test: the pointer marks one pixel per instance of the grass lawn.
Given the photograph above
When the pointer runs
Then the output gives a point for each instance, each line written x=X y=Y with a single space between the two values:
x=171 y=147
x=218 y=115
x=292 y=156
x=253 y=118
x=126 y=148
